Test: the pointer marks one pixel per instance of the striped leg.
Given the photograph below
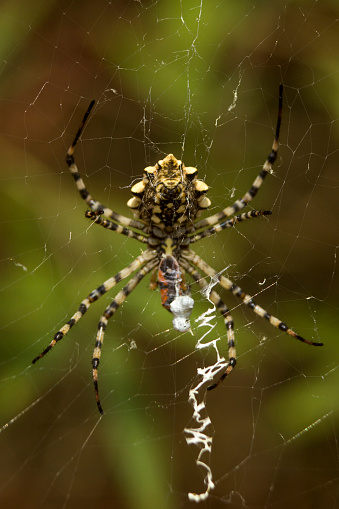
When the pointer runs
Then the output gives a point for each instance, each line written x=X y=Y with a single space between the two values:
x=97 y=218
x=223 y=309
x=84 y=193
x=247 y=299
x=248 y=197
x=108 y=313
x=144 y=258
x=229 y=223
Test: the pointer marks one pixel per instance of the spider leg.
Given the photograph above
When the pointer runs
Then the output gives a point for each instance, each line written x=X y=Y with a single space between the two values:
x=248 y=197
x=246 y=299
x=108 y=313
x=96 y=217
x=146 y=257
x=223 y=309
x=229 y=223
x=153 y=284
x=84 y=193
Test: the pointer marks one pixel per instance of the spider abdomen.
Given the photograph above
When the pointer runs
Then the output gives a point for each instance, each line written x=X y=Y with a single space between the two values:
x=169 y=195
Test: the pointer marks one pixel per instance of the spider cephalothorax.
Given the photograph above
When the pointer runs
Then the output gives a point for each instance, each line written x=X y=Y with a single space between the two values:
x=166 y=204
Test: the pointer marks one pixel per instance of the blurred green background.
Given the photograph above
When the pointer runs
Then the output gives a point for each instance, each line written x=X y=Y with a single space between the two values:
x=200 y=80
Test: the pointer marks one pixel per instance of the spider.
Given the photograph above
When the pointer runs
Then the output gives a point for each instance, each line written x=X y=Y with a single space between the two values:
x=166 y=204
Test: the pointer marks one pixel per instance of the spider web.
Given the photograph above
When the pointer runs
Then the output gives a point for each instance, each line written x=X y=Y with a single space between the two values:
x=200 y=80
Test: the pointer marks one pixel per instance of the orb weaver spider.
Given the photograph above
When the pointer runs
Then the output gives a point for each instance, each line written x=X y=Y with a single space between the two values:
x=167 y=203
